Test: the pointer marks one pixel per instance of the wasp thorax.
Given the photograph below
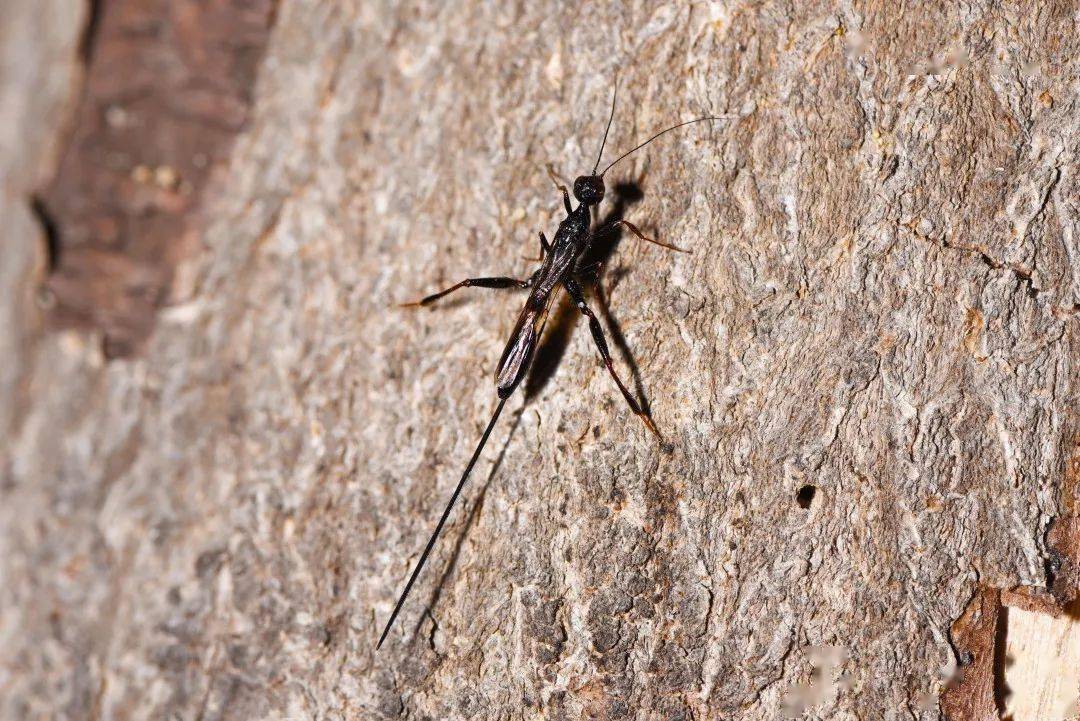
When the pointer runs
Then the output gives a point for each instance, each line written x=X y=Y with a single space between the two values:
x=589 y=189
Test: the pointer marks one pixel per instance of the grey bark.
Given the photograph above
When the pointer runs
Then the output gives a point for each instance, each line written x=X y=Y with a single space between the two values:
x=881 y=305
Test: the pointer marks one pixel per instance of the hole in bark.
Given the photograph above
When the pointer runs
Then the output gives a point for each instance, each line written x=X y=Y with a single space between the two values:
x=805 y=496
x=52 y=233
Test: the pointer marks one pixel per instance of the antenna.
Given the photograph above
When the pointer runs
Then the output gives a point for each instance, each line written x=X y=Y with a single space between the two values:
x=614 y=94
x=666 y=130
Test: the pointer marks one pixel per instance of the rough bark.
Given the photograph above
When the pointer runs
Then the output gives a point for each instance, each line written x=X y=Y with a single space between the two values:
x=867 y=369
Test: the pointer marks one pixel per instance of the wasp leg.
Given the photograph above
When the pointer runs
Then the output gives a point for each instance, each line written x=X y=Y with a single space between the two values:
x=634 y=229
x=560 y=186
x=545 y=248
x=499 y=282
x=601 y=344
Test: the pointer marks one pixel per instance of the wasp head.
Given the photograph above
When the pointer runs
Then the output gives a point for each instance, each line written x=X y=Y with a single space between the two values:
x=589 y=189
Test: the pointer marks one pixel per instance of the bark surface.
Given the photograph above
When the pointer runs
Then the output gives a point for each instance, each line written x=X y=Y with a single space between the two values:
x=867 y=368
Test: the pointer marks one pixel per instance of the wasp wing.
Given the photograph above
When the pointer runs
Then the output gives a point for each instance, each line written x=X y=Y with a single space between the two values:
x=517 y=357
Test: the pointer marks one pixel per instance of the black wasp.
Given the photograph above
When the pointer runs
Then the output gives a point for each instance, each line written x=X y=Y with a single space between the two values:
x=559 y=267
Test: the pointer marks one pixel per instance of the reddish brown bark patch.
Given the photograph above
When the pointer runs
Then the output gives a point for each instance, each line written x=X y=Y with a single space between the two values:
x=1064 y=540
x=168 y=86
x=978 y=636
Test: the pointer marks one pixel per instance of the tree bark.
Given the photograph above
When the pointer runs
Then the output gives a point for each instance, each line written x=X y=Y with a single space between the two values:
x=866 y=368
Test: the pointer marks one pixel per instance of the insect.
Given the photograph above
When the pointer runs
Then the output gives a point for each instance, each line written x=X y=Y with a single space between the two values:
x=559 y=268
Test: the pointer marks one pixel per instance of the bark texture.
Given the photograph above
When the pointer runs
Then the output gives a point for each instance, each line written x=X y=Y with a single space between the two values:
x=867 y=368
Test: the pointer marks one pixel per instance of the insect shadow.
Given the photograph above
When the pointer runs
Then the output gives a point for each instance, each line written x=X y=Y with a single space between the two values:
x=563 y=322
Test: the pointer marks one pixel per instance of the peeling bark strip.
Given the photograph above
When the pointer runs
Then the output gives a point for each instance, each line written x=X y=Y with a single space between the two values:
x=868 y=368
x=1064 y=541
x=978 y=691
x=975 y=693
x=1062 y=574
x=168 y=85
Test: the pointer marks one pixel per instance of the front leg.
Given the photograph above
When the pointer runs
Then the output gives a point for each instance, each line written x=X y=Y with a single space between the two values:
x=560 y=186
x=578 y=297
